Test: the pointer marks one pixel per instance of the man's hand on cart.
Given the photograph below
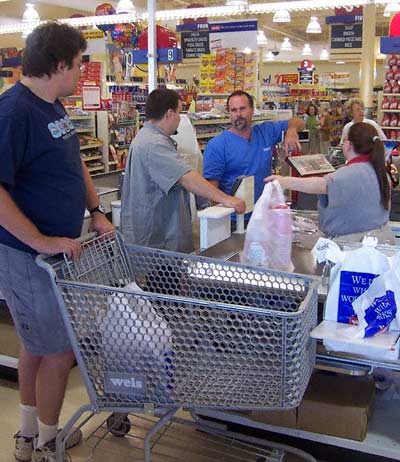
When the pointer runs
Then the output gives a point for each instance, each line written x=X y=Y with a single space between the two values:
x=291 y=141
x=54 y=245
x=100 y=224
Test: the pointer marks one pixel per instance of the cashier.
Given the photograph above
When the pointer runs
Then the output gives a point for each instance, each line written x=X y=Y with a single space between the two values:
x=155 y=208
x=354 y=200
x=246 y=150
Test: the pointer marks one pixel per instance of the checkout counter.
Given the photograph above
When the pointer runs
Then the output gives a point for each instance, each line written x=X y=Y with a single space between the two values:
x=381 y=439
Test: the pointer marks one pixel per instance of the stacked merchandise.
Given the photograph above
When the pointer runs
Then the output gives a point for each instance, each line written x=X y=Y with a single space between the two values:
x=391 y=99
x=123 y=121
x=207 y=73
x=227 y=71
x=90 y=75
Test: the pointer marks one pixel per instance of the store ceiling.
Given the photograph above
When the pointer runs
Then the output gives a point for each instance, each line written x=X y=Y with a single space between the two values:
x=295 y=30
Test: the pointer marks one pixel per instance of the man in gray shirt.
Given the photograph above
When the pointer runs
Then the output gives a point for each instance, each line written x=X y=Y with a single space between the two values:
x=155 y=208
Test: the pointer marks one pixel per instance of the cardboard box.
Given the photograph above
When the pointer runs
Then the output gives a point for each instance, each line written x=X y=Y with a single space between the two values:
x=286 y=418
x=337 y=405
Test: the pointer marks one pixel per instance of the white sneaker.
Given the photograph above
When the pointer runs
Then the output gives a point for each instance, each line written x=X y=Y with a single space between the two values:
x=24 y=446
x=47 y=453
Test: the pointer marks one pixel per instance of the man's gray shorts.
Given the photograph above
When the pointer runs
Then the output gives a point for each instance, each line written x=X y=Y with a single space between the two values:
x=30 y=298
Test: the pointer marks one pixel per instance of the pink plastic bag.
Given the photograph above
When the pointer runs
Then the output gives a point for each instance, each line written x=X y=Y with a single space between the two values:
x=268 y=240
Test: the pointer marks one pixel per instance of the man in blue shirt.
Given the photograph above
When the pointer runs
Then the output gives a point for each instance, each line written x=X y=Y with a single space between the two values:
x=246 y=150
x=44 y=189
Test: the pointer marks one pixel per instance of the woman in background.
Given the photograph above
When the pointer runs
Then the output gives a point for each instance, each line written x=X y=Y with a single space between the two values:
x=354 y=200
x=312 y=125
x=325 y=131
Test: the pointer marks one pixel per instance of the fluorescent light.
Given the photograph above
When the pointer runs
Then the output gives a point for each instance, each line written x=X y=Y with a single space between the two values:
x=286 y=45
x=340 y=62
x=324 y=56
x=306 y=50
x=391 y=8
x=125 y=6
x=247 y=51
x=261 y=39
x=282 y=15
x=314 y=27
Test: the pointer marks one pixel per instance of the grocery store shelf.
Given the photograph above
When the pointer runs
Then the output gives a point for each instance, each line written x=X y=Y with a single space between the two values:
x=199 y=136
x=382 y=439
x=390 y=94
x=84 y=130
x=79 y=117
x=8 y=361
x=91 y=146
x=391 y=110
x=389 y=128
x=96 y=168
x=88 y=158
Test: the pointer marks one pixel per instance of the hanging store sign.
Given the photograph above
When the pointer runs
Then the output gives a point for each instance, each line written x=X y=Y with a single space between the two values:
x=195 y=44
x=306 y=77
x=233 y=34
x=344 y=19
x=281 y=79
x=329 y=79
x=346 y=36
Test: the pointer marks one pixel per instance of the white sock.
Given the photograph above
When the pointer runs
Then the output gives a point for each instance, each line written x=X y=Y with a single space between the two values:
x=46 y=433
x=29 y=424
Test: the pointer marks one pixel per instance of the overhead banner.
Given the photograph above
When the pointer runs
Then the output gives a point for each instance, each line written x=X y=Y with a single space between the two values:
x=195 y=44
x=346 y=36
x=329 y=79
x=233 y=34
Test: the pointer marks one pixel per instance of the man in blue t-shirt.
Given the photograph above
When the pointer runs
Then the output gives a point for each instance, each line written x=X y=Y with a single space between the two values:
x=246 y=150
x=44 y=189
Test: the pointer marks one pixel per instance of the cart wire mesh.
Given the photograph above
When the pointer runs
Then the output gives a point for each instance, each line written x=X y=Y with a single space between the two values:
x=172 y=330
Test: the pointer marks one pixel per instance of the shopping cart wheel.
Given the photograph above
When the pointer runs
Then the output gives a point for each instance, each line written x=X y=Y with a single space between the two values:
x=118 y=425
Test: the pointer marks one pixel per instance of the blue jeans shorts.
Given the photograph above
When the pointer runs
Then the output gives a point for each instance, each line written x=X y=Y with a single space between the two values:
x=32 y=303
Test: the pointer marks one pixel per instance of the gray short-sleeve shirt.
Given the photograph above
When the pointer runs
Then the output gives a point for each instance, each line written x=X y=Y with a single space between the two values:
x=353 y=201
x=155 y=209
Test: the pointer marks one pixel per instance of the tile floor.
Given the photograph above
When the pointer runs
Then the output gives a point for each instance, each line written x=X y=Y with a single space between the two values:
x=180 y=442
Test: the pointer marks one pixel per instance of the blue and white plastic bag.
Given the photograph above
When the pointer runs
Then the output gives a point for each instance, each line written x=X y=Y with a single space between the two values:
x=352 y=274
x=379 y=305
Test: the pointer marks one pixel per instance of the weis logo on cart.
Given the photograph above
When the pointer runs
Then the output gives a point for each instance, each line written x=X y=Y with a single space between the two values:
x=123 y=383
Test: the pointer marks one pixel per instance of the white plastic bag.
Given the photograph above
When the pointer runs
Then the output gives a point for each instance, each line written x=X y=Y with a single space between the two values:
x=351 y=275
x=378 y=306
x=130 y=327
x=268 y=240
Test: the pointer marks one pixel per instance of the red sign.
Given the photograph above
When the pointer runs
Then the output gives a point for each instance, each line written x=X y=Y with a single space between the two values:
x=349 y=11
x=287 y=78
x=307 y=64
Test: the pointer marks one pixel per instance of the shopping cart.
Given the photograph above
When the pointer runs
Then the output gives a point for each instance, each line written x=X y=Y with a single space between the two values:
x=154 y=331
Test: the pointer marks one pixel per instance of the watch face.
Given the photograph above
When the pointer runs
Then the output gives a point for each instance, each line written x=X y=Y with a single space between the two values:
x=101 y=209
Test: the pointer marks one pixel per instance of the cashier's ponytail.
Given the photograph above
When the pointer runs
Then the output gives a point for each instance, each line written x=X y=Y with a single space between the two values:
x=365 y=140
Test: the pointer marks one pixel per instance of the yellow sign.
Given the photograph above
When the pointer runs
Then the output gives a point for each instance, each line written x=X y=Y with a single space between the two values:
x=93 y=34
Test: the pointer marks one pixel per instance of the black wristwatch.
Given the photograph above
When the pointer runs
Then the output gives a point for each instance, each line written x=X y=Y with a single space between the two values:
x=99 y=209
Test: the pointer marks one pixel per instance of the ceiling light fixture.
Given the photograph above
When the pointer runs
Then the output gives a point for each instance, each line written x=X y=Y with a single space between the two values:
x=314 y=27
x=30 y=19
x=306 y=50
x=340 y=62
x=125 y=7
x=324 y=56
x=282 y=15
x=391 y=8
x=286 y=45
x=261 y=39
x=269 y=56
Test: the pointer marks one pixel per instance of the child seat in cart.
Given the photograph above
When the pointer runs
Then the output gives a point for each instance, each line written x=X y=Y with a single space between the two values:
x=154 y=331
